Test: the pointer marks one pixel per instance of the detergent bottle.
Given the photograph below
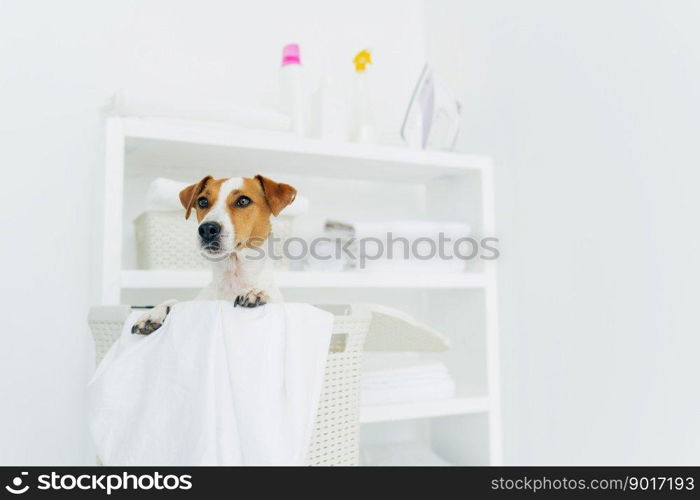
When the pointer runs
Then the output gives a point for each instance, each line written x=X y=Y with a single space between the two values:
x=292 y=88
x=329 y=120
x=362 y=120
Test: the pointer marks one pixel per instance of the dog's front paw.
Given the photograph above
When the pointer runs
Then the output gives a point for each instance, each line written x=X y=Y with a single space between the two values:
x=151 y=320
x=253 y=297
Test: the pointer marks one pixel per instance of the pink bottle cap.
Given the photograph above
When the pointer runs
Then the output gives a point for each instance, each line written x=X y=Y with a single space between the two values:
x=290 y=54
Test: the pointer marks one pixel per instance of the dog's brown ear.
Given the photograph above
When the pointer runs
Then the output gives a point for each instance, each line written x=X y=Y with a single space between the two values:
x=188 y=196
x=277 y=194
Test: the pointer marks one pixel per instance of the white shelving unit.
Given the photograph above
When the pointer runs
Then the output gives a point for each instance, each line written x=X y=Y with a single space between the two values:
x=449 y=184
x=297 y=279
x=424 y=409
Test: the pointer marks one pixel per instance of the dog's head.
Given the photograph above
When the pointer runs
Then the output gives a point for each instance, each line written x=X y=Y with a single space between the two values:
x=235 y=213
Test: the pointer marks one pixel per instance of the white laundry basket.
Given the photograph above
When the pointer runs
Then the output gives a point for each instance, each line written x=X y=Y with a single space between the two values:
x=165 y=240
x=335 y=438
x=356 y=328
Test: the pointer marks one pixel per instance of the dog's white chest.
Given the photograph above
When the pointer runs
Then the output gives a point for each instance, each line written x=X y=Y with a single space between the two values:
x=230 y=284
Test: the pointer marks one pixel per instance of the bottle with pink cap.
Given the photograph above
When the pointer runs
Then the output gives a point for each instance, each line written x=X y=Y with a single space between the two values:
x=292 y=97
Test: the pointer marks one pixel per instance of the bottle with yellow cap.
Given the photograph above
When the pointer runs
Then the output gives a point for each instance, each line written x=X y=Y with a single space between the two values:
x=362 y=120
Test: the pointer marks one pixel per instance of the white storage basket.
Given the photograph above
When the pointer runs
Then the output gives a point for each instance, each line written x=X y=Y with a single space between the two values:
x=166 y=240
x=335 y=440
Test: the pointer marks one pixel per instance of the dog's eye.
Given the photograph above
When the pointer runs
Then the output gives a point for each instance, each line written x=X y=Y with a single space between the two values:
x=203 y=202
x=243 y=201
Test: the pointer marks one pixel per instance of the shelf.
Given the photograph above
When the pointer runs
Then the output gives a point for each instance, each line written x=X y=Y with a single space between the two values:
x=423 y=409
x=291 y=279
x=183 y=144
x=165 y=279
x=138 y=149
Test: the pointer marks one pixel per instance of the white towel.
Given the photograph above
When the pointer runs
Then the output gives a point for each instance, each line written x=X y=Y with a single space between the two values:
x=427 y=391
x=164 y=195
x=401 y=454
x=414 y=245
x=400 y=228
x=407 y=376
x=215 y=385
x=403 y=377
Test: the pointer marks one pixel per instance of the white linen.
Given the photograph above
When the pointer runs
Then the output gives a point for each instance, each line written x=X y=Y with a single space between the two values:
x=401 y=454
x=401 y=228
x=164 y=195
x=215 y=385
x=424 y=391
x=403 y=377
x=414 y=245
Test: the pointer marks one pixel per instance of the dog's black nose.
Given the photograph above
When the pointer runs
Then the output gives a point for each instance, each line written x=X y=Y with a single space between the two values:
x=209 y=231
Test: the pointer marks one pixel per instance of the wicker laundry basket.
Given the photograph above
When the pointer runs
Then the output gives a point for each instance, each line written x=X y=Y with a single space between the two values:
x=335 y=440
x=166 y=240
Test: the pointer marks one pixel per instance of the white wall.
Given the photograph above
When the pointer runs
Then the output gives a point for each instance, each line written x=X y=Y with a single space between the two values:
x=592 y=110
x=211 y=57
x=54 y=77
x=61 y=63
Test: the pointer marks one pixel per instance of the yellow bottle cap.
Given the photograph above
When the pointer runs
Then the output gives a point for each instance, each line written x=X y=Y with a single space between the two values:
x=362 y=59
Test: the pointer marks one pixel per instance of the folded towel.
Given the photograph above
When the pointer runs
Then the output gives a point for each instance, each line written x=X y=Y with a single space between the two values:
x=220 y=116
x=401 y=454
x=405 y=228
x=164 y=195
x=430 y=370
x=403 y=377
x=215 y=385
x=443 y=389
x=414 y=245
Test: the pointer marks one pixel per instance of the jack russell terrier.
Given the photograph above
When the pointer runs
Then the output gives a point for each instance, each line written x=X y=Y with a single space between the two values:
x=234 y=223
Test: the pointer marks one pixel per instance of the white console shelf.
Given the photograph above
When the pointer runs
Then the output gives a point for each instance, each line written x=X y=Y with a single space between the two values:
x=299 y=279
x=143 y=148
x=423 y=409
x=185 y=144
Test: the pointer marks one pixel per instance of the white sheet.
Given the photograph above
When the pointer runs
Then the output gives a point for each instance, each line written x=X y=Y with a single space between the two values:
x=215 y=385
x=414 y=244
x=403 y=377
x=428 y=391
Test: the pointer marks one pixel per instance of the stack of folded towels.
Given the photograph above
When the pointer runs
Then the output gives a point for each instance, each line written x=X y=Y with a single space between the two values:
x=402 y=378
x=414 y=244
